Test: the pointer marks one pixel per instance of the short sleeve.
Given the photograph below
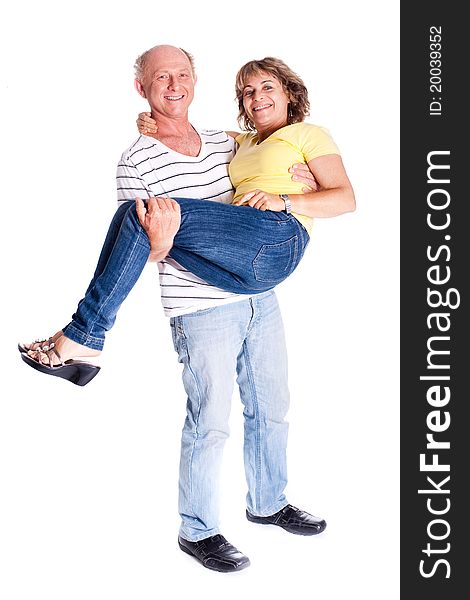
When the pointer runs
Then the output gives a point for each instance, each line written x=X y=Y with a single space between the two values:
x=129 y=183
x=241 y=138
x=316 y=141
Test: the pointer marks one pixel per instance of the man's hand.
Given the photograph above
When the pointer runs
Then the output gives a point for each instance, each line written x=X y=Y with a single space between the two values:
x=161 y=220
x=261 y=200
x=301 y=172
x=145 y=123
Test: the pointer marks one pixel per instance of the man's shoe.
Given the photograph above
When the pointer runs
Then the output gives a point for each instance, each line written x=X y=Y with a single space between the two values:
x=215 y=553
x=293 y=520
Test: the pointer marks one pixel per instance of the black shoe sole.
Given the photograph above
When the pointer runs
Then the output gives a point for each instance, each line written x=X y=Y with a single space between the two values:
x=240 y=568
x=308 y=532
x=294 y=530
x=79 y=373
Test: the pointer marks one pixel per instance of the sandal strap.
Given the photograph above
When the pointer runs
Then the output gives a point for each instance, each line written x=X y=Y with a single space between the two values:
x=49 y=353
x=56 y=352
x=44 y=345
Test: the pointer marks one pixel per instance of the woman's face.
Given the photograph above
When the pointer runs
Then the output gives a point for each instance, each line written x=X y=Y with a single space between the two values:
x=265 y=102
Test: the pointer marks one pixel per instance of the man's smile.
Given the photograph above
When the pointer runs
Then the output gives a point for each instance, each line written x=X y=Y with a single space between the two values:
x=174 y=98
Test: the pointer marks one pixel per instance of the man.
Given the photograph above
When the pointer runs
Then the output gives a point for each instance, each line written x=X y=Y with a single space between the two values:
x=216 y=334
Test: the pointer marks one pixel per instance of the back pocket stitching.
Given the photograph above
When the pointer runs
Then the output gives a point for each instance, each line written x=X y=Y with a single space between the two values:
x=293 y=252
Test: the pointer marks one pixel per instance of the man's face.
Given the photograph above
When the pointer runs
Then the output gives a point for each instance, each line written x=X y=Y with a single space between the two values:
x=168 y=83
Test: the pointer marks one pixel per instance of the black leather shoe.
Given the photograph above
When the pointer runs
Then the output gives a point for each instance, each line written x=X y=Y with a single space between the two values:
x=293 y=520
x=215 y=553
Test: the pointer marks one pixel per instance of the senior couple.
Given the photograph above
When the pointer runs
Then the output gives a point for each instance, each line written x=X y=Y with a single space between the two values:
x=217 y=274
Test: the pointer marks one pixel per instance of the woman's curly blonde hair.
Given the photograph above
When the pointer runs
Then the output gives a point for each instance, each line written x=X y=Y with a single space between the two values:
x=294 y=87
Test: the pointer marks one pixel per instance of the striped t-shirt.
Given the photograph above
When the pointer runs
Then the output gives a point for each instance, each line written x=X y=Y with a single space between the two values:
x=148 y=169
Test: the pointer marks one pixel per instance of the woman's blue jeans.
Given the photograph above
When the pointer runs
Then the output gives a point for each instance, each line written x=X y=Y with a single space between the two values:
x=237 y=248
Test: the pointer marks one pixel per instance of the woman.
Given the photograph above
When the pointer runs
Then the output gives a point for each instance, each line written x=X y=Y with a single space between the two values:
x=258 y=249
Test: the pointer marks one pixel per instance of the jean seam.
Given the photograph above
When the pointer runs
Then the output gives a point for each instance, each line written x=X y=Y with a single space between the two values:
x=196 y=423
x=123 y=272
x=250 y=378
x=295 y=252
x=82 y=338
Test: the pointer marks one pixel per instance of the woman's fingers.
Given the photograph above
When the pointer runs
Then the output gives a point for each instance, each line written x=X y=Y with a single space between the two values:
x=141 y=126
x=245 y=198
x=146 y=124
x=262 y=204
x=256 y=199
x=261 y=201
x=256 y=196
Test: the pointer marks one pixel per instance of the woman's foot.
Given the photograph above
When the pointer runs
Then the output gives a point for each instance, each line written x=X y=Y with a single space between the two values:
x=56 y=357
x=39 y=344
x=58 y=350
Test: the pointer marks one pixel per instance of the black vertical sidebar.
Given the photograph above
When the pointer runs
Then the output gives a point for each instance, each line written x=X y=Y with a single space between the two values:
x=435 y=269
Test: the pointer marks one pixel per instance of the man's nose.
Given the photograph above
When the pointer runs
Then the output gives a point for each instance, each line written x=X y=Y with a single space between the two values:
x=173 y=83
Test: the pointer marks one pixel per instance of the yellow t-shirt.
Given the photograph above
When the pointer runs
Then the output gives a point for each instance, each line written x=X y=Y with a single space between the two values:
x=266 y=166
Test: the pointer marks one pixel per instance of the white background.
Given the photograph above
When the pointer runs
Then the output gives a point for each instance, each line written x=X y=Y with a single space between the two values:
x=88 y=475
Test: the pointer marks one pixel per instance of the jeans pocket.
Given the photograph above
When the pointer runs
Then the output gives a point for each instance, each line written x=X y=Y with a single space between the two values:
x=174 y=335
x=177 y=334
x=199 y=313
x=275 y=262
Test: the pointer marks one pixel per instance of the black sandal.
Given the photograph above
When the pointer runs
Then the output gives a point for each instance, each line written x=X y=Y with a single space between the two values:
x=76 y=371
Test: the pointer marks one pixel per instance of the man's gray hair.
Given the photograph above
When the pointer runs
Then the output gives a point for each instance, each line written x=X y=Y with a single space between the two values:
x=141 y=62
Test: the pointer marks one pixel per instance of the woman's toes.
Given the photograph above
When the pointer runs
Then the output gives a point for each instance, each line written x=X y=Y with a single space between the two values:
x=47 y=358
x=43 y=345
x=37 y=356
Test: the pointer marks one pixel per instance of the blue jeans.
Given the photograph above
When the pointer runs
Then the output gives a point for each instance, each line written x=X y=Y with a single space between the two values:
x=239 y=249
x=247 y=338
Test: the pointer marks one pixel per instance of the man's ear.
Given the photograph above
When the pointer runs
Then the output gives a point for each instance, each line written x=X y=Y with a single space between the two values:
x=138 y=86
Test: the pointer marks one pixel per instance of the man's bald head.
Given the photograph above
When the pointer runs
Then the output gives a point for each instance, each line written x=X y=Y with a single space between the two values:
x=164 y=52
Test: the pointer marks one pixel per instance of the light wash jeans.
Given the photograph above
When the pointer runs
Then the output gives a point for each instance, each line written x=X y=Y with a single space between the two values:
x=245 y=338
x=237 y=248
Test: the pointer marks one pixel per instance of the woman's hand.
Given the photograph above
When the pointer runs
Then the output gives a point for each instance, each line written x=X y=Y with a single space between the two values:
x=262 y=201
x=145 y=123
